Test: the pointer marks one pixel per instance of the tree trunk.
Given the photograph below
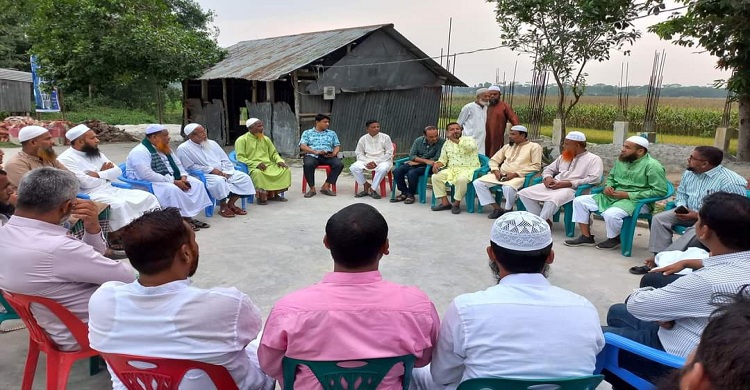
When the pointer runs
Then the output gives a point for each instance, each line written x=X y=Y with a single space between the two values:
x=561 y=115
x=743 y=141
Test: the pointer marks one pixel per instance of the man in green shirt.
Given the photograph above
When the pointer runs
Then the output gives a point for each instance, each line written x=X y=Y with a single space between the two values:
x=268 y=170
x=635 y=176
x=424 y=151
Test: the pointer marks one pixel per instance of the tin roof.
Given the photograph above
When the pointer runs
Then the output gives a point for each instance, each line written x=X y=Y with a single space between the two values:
x=15 y=75
x=271 y=58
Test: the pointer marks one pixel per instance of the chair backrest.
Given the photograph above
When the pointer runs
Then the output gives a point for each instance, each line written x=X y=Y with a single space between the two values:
x=165 y=373
x=22 y=305
x=608 y=359
x=368 y=373
x=240 y=166
x=484 y=160
x=577 y=383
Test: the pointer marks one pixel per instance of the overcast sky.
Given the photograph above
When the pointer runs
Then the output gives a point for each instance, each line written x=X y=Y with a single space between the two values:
x=425 y=23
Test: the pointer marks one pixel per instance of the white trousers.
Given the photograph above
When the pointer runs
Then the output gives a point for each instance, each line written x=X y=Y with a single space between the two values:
x=545 y=211
x=613 y=216
x=485 y=196
x=358 y=168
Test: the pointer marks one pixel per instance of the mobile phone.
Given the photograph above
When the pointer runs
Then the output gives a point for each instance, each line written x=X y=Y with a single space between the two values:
x=681 y=210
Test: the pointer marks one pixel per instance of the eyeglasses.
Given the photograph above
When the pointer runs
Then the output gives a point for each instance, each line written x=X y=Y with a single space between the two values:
x=691 y=158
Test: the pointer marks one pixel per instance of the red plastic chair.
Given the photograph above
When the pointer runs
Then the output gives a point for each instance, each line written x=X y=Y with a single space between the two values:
x=166 y=373
x=58 y=362
x=388 y=178
x=327 y=168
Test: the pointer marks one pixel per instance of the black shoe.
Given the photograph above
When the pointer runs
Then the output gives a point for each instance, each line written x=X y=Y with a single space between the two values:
x=581 y=241
x=496 y=213
x=441 y=207
x=610 y=243
x=455 y=210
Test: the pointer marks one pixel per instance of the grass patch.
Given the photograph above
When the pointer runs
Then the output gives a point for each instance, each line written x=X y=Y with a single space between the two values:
x=348 y=161
x=7 y=145
x=115 y=116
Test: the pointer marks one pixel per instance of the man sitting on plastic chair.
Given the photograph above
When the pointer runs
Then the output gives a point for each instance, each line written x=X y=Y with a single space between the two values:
x=523 y=327
x=224 y=183
x=354 y=313
x=424 y=151
x=458 y=161
x=162 y=315
x=673 y=317
x=636 y=175
x=321 y=147
x=574 y=167
x=374 y=152
x=508 y=168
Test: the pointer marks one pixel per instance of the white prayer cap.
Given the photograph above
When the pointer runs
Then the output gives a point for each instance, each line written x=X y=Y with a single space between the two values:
x=151 y=129
x=520 y=128
x=481 y=91
x=521 y=231
x=190 y=128
x=494 y=88
x=251 y=122
x=76 y=132
x=31 y=132
x=637 y=139
x=576 y=136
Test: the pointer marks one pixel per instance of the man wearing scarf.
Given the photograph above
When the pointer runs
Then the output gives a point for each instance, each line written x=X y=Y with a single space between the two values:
x=267 y=168
x=153 y=161
x=222 y=180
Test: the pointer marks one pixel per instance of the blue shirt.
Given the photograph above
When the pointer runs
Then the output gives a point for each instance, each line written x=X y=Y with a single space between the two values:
x=695 y=186
x=319 y=140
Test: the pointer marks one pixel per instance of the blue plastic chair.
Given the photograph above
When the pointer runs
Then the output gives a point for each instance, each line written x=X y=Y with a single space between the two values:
x=9 y=313
x=527 y=181
x=628 y=223
x=421 y=186
x=147 y=186
x=337 y=375
x=608 y=359
x=588 y=382
x=483 y=169
x=567 y=208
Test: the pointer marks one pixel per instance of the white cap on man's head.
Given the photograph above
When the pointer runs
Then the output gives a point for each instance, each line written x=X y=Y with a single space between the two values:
x=520 y=128
x=637 y=139
x=155 y=128
x=251 y=122
x=190 y=128
x=521 y=231
x=77 y=131
x=31 y=132
x=494 y=88
x=576 y=136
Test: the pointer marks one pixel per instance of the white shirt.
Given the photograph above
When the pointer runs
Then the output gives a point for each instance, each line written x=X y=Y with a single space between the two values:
x=378 y=148
x=473 y=118
x=176 y=320
x=204 y=158
x=523 y=328
x=78 y=163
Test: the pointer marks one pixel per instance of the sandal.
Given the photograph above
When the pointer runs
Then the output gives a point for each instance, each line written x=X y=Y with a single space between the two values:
x=226 y=213
x=278 y=198
x=237 y=211
x=409 y=200
x=328 y=192
x=195 y=228
x=310 y=194
x=361 y=194
x=200 y=224
x=400 y=198
x=639 y=270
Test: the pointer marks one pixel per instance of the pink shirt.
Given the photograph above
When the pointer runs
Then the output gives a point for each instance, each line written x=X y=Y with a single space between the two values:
x=349 y=316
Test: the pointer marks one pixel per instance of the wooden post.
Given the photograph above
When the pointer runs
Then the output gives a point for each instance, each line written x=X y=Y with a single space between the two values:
x=225 y=131
x=184 y=103
x=204 y=91
x=269 y=91
x=255 y=94
x=295 y=85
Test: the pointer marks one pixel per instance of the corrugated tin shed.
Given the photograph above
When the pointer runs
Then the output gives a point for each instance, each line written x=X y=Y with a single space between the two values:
x=15 y=75
x=271 y=58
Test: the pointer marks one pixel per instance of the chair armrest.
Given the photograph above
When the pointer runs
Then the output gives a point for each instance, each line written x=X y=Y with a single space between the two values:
x=83 y=196
x=536 y=180
x=529 y=176
x=481 y=171
x=197 y=174
x=649 y=353
x=670 y=205
x=397 y=163
x=584 y=187
x=137 y=183
x=597 y=190
x=121 y=185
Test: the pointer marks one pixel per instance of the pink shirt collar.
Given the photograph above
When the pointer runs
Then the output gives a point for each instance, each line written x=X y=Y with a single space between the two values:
x=353 y=277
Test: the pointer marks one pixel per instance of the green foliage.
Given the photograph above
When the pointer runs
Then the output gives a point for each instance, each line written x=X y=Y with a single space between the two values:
x=114 y=116
x=547 y=158
x=14 y=45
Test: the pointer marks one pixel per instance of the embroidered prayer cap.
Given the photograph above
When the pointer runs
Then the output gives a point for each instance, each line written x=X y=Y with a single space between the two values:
x=31 y=132
x=191 y=127
x=637 y=139
x=76 y=132
x=521 y=231
x=576 y=136
x=494 y=88
x=520 y=128
x=251 y=122
x=151 y=129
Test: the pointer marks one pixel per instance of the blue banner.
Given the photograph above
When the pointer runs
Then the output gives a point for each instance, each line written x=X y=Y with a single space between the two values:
x=45 y=94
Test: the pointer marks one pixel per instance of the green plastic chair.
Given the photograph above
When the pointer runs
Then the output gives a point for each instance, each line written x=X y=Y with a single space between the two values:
x=332 y=376
x=9 y=313
x=577 y=383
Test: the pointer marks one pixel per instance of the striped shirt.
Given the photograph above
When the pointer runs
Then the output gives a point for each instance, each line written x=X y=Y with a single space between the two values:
x=695 y=186
x=687 y=301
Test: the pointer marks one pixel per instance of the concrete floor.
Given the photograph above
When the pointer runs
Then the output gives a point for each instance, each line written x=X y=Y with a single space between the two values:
x=277 y=248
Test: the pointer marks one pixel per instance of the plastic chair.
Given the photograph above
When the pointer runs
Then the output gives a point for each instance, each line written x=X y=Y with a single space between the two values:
x=421 y=186
x=527 y=181
x=332 y=374
x=59 y=362
x=240 y=166
x=326 y=168
x=628 y=223
x=388 y=178
x=576 y=383
x=134 y=183
x=165 y=373
x=484 y=168
x=9 y=313
x=608 y=359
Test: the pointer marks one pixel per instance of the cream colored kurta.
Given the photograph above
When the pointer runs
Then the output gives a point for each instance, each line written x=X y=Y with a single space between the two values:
x=521 y=159
x=585 y=168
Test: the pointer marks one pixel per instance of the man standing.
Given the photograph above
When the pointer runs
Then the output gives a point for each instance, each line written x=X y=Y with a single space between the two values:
x=498 y=114
x=153 y=161
x=269 y=172
x=523 y=327
x=424 y=151
x=162 y=315
x=508 y=168
x=635 y=176
x=374 y=152
x=473 y=118
x=205 y=155
x=353 y=313
x=456 y=165
x=575 y=167
x=38 y=258
x=321 y=146
x=95 y=174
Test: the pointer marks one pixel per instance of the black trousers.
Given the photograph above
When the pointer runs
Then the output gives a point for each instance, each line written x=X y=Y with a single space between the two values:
x=310 y=163
x=413 y=173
